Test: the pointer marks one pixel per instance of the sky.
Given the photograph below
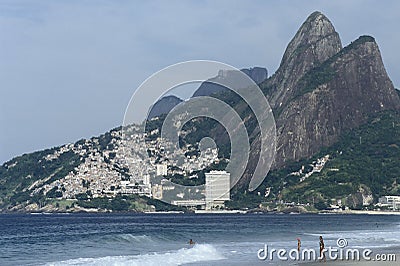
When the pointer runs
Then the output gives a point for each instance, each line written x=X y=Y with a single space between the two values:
x=68 y=68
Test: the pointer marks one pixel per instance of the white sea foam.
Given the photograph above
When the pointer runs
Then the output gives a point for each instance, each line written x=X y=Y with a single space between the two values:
x=198 y=253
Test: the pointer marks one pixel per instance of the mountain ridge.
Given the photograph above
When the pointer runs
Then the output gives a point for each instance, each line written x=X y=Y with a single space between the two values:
x=211 y=86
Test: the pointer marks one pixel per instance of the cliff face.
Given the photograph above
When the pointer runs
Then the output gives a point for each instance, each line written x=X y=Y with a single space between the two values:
x=258 y=74
x=322 y=90
x=314 y=42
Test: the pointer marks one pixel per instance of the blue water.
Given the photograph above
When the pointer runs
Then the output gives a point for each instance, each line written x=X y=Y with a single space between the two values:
x=162 y=239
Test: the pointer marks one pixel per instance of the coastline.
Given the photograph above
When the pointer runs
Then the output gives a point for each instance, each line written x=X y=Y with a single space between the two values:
x=251 y=211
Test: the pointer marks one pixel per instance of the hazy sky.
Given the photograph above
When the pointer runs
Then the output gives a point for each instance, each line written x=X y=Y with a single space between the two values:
x=68 y=68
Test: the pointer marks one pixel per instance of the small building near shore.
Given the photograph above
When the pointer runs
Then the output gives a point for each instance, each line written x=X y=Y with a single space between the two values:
x=393 y=202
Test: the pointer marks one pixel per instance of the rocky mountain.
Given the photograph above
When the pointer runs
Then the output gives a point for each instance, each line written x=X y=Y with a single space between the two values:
x=352 y=173
x=258 y=74
x=163 y=106
x=314 y=43
x=321 y=90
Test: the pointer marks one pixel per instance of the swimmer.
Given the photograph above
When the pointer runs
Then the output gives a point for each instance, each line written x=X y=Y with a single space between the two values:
x=298 y=244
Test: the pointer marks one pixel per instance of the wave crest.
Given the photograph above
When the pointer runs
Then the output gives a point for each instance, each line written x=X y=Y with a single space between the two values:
x=199 y=252
x=130 y=238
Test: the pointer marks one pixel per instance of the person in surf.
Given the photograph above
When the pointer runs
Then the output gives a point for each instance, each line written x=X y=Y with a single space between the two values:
x=321 y=249
x=298 y=244
x=191 y=242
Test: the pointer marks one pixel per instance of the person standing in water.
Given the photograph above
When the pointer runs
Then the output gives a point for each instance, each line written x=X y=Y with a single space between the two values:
x=191 y=242
x=321 y=249
x=298 y=244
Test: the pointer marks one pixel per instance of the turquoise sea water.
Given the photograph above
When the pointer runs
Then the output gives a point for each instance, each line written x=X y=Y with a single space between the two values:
x=162 y=239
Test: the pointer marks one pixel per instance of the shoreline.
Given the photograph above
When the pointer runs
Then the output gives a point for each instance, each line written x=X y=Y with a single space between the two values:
x=259 y=212
x=363 y=212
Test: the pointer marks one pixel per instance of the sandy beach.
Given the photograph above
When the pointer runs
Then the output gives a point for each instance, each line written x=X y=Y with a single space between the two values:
x=392 y=257
x=366 y=212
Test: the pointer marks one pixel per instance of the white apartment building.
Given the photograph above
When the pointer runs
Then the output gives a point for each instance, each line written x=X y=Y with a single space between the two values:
x=390 y=201
x=161 y=169
x=146 y=180
x=217 y=189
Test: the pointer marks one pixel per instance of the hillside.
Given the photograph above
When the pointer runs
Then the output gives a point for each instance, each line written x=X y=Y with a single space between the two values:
x=360 y=167
x=74 y=177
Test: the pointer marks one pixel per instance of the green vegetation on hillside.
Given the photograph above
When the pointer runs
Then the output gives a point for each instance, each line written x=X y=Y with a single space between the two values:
x=127 y=203
x=324 y=73
x=21 y=172
x=314 y=78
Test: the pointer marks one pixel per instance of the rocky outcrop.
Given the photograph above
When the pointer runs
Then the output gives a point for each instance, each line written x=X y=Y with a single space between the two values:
x=314 y=42
x=321 y=90
x=257 y=74
x=163 y=106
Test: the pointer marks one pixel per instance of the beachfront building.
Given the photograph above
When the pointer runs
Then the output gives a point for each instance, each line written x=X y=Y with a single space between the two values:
x=392 y=202
x=190 y=203
x=217 y=189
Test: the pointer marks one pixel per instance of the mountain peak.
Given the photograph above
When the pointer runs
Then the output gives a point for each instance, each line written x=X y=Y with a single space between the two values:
x=318 y=25
x=164 y=106
x=315 y=41
x=319 y=33
x=337 y=95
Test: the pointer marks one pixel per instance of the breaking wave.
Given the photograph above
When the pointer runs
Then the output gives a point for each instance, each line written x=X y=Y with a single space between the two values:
x=198 y=253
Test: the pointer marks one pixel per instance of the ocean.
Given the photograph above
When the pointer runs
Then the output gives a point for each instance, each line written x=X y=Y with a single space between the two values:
x=163 y=239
